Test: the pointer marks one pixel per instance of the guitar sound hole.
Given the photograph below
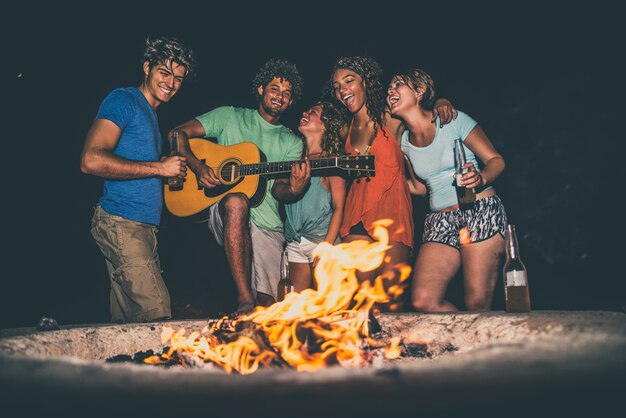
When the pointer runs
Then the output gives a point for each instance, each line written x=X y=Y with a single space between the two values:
x=229 y=172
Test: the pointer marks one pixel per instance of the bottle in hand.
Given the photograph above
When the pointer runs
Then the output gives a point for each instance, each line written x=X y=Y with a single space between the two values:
x=465 y=195
x=176 y=182
x=516 y=295
x=285 y=285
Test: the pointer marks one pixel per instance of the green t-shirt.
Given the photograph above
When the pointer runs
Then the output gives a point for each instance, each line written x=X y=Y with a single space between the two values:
x=233 y=125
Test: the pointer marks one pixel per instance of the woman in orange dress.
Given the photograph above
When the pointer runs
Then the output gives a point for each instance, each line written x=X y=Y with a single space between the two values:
x=356 y=84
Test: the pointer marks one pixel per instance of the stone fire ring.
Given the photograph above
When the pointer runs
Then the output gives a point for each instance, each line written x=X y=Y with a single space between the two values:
x=544 y=363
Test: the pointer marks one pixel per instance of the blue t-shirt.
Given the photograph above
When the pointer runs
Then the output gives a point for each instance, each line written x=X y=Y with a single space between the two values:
x=139 y=200
x=435 y=163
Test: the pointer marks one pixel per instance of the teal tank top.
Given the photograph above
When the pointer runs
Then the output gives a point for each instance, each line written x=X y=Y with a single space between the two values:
x=310 y=216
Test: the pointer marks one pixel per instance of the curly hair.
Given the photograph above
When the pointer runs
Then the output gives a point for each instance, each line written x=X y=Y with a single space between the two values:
x=418 y=79
x=165 y=50
x=282 y=69
x=333 y=119
x=371 y=73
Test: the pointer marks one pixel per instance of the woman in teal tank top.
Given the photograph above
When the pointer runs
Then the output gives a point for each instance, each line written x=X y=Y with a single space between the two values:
x=317 y=216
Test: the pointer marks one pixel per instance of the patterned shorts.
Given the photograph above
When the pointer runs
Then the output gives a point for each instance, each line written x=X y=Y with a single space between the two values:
x=483 y=221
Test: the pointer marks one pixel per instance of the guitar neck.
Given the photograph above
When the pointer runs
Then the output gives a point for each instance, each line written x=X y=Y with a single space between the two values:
x=278 y=167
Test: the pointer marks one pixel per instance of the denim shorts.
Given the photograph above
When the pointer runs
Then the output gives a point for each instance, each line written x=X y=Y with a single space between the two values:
x=486 y=219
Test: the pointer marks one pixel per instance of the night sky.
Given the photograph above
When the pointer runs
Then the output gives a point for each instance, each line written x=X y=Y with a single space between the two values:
x=544 y=84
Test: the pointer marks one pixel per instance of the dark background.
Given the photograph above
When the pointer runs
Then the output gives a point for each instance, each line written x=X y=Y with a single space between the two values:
x=545 y=83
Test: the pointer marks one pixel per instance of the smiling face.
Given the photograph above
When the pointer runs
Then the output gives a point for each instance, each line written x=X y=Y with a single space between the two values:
x=311 y=121
x=275 y=98
x=162 y=81
x=349 y=89
x=400 y=96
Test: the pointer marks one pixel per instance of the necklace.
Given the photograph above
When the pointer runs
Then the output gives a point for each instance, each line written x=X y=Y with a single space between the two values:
x=369 y=143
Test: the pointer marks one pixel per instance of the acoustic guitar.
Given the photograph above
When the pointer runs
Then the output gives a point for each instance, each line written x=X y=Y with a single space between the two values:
x=241 y=168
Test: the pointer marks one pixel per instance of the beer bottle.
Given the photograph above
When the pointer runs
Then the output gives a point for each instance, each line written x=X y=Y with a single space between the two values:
x=285 y=285
x=516 y=295
x=175 y=183
x=466 y=196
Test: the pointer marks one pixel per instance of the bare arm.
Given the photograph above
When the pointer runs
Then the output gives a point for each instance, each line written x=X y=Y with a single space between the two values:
x=480 y=145
x=291 y=189
x=97 y=157
x=395 y=126
x=338 y=197
x=446 y=112
x=193 y=129
x=416 y=186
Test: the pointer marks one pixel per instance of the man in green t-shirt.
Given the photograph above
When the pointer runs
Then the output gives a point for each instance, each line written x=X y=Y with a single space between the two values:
x=252 y=237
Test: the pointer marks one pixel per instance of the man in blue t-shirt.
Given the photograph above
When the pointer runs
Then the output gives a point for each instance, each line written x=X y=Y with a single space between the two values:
x=123 y=146
x=252 y=237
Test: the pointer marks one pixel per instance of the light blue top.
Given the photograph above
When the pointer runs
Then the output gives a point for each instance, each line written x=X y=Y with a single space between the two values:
x=310 y=216
x=139 y=200
x=232 y=125
x=435 y=163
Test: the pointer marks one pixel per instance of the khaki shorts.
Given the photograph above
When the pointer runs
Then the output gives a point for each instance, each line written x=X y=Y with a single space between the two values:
x=267 y=247
x=138 y=292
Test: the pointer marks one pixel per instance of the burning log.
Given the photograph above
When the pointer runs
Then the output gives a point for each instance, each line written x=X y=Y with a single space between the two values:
x=332 y=324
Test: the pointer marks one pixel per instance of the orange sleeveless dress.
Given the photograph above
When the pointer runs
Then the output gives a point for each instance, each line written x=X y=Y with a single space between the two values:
x=384 y=196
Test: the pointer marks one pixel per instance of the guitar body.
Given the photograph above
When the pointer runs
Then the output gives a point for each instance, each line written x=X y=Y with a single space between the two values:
x=193 y=200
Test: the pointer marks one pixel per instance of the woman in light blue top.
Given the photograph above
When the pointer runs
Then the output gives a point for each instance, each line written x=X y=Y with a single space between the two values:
x=453 y=236
x=317 y=216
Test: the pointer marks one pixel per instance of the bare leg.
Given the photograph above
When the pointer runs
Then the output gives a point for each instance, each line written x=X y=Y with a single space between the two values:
x=301 y=276
x=481 y=263
x=235 y=211
x=435 y=266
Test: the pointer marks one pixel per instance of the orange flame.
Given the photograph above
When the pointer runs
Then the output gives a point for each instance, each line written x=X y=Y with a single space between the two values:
x=311 y=329
x=464 y=236
x=393 y=350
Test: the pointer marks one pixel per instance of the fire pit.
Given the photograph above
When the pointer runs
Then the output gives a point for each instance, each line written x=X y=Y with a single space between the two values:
x=314 y=355
x=479 y=363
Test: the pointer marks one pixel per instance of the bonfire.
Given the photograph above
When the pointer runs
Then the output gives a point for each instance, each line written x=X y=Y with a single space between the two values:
x=316 y=328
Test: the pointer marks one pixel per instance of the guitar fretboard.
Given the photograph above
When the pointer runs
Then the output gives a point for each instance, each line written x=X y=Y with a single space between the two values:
x=284 y=166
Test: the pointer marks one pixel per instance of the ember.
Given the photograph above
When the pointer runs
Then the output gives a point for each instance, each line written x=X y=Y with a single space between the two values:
x=308 y=330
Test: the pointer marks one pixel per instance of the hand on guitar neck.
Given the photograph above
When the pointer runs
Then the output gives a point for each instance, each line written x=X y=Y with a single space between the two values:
x=299 y=178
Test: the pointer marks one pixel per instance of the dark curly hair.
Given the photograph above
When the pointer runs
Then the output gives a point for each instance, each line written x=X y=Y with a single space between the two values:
x=371 y=72
x=282 y=69
x=164 y=50
x=333 y=119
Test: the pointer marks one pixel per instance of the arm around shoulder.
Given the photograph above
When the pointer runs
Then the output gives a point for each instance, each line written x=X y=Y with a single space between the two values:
x=445 y=110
